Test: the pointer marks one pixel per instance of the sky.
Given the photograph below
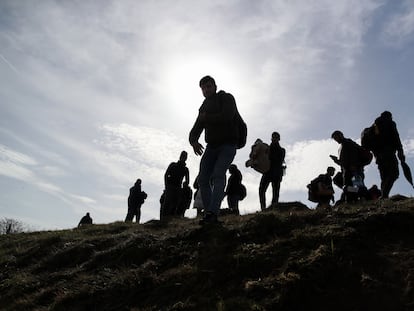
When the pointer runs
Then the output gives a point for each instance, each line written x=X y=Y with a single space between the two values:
x=95 y=94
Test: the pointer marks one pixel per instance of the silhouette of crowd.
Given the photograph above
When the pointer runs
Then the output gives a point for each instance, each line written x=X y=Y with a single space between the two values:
x=225 y=131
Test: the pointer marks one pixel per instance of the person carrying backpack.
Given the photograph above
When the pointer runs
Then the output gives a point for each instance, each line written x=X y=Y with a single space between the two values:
x=233 y=189
x=173 y=181
x=352 y=167
x=388 y=144
x=275 y=173
x=135 y=200
x=219 y=119
x=321 y=190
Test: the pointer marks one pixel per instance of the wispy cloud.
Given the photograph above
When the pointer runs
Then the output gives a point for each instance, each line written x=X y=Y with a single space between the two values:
x=16 y=165
x=7 y=154
x=14 y=170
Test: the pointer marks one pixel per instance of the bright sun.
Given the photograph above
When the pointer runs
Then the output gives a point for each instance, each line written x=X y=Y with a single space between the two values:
x=183 y=75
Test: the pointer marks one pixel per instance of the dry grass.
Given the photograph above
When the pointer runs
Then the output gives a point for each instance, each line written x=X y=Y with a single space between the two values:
x=357 y=257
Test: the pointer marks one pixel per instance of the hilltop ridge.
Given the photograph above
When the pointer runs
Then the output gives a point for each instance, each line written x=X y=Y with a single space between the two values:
x=360 y=257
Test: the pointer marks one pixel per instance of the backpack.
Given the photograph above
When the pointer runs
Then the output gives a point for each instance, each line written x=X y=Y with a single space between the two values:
x=364 y=155
x=313 y=185
x=317 y=189
x=242 y=128
x=142 y=198
x=369 y=138
x=243 y=192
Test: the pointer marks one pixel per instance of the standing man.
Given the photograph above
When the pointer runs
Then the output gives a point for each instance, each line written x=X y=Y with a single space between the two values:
x=217 y=117
x=233 y=189
x=388 y=143
x=135 y=200
x=173 y=180
x=350 y=165
x=274 y=174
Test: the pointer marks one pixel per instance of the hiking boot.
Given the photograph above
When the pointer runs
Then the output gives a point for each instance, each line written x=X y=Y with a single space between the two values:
x=209 y=218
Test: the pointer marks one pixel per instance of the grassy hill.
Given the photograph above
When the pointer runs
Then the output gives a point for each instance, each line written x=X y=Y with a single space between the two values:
x=359 y=257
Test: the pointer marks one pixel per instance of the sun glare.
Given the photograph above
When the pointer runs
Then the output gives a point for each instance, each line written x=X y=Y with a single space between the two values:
x=182 y=77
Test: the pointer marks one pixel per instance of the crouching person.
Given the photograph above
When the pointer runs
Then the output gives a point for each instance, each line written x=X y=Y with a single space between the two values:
x=320 y=190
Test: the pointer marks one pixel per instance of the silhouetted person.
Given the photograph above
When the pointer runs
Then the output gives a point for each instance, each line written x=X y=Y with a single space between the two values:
x=218 y=118
x=233 y=189
x=388 y=143
x=173 y=179
x=351 y=168
x=198 y=201
x=184 y=202
x=135 y=200
x=274 y=174
x=85 y=220
x=321 y=189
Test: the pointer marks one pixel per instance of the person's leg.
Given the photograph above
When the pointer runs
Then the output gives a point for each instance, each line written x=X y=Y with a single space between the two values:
x=175 y=198
x=224 y=158
x=204 y=178
x=236 y=204
x=349 y=195
x=229 y=201
x=233 y=202
x=264 y=183
x=169 y=204
x=276 y=190
x=388 y=169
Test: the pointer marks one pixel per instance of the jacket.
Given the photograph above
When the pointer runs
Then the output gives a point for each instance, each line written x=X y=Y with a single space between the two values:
x=220 y=124
x=276 y=157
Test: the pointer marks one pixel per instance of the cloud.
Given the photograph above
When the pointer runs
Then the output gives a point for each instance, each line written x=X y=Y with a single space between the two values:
x=147 y=151
x=7 y=154
x=408 y=146
x=306 y=160
x=399 y=28
x=15 y=171
x=17 y=165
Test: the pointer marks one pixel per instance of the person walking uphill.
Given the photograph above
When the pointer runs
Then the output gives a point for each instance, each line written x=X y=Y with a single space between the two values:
x=218 y=118
x=135 y=199
x=275 y=173
x=388 y=143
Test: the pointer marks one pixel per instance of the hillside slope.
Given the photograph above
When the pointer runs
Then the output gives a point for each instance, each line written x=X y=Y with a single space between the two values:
x=356 y=258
